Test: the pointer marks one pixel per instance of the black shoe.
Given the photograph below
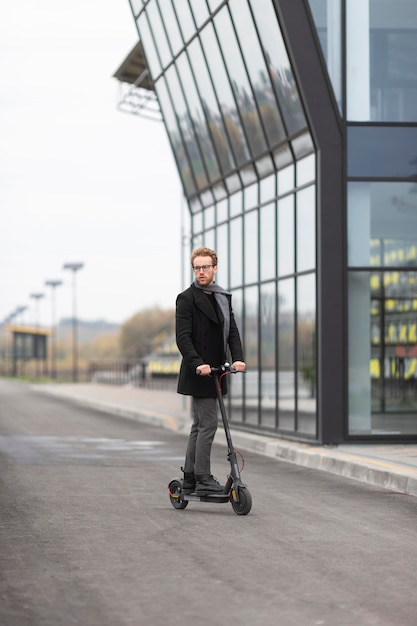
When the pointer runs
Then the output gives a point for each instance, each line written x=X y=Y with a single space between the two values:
x=207 y=484
x=188 y=484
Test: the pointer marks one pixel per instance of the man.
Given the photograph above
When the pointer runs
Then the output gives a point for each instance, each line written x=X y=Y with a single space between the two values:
x=205 y=327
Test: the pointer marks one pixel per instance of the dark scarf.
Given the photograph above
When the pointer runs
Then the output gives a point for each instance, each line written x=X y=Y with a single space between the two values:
x=222 y=300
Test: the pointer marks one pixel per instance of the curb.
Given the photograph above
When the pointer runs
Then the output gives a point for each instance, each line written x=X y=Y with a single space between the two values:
x=383 y=474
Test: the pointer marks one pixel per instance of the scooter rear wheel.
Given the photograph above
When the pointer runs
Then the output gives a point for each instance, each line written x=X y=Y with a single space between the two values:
x=245 y=502
x=175 y=495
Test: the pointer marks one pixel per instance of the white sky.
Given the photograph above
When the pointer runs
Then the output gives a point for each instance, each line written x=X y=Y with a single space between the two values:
x=80 y=181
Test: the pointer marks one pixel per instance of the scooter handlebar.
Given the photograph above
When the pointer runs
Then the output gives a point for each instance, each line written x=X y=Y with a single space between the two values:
x=221 y=369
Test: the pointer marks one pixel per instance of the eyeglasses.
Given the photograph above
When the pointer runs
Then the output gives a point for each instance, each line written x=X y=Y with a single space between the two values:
x=202 y=268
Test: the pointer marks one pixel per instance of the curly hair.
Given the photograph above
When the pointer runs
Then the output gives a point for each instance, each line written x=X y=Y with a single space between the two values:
x=204 y=252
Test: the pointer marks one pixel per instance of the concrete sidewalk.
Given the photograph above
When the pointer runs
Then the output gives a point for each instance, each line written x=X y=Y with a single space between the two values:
x=392 y=467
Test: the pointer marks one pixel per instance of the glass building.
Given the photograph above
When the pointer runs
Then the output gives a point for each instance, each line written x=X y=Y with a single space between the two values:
x=293 y=124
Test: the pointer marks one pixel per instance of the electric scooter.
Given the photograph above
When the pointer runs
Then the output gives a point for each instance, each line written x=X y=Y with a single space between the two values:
x=235 y=491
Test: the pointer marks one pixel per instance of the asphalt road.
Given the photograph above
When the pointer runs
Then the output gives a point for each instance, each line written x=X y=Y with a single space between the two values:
x=88 y=535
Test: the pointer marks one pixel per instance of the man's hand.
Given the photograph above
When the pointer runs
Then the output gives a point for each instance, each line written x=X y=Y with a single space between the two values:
x=239 y=366
x=203 y=370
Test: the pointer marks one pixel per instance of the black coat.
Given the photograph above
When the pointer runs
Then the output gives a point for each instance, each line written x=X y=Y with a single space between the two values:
x=199 y=334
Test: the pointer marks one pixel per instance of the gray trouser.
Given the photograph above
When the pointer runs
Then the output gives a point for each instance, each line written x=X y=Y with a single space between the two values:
x=197 y=456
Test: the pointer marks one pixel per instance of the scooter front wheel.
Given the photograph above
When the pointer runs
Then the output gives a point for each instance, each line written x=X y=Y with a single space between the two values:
x=175 y=495
x=245 y=501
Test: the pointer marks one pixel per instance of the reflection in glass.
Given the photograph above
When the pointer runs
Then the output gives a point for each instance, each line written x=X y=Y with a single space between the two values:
x=175 y=136
x=381 y=69
x=211 y=108
x=278 y=63
x=306 y=355
x=187 y=129
x=251 y=247
x=267 y=346
x=237 y=139
x=382 y=224
x=328 y=20
x=197 y=117
x=286 y=347
x=285 y=238
x=242 y=90
x=267 y=243
x=258 y=73
x=306 y=229
x=236 y=252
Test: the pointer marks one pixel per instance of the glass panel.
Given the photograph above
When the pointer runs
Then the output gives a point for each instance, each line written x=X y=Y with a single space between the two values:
x=328 y=20
x=306 y=229
x=148 y=45
x=209 y=239
x=282 y=157
x=236 y=252
x=237 y=383
x=222 y=249
x=251 y=355
x=184 y=121
x=382 y=152
x=285 y=238
x=225 y=95
x=267 y=243
x=242 y=89
x=198 y=222
x=200 y=11
x=258 y=72
x=279 y=65
x=236 y=204
x=382 y=224
x=209 y=220
x=185 y=19
x=251 y=196
x=159 y=34
x=211 y=108
x=306 y=170
x=233 y=183
x=267 y=188
x=381 y=53
x=222 y=211
x=171 y=25
x=286 y=180
x=302 y=145
x=264 y=166
x=178 y=146
x=251 y=247
x=306 y=354
x=197 y=117
x=213 y=4
x=286 y=347
x=136 y=6
x=268 y=363
x=393 y=353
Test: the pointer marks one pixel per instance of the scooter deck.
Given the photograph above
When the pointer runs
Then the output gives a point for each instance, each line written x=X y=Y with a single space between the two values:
x=209 y=497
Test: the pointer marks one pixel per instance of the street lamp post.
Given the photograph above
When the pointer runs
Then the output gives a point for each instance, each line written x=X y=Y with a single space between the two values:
x=74 y=267
x=53 y=284
x=37 y=297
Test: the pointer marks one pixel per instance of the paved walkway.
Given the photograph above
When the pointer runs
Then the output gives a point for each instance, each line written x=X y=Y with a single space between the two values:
x=390 y=466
